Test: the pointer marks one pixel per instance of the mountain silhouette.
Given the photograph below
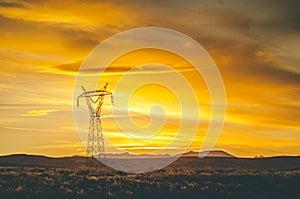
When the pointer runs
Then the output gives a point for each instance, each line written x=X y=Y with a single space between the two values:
x=216 y=159
x=214 y=153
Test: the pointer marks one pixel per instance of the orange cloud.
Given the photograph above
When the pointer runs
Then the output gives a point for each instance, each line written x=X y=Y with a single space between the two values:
x=35 y=113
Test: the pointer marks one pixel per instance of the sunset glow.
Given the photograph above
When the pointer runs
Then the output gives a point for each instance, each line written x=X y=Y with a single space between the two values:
x=44 y=43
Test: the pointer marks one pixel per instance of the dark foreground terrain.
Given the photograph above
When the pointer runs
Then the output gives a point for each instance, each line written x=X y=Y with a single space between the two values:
x=24 y=176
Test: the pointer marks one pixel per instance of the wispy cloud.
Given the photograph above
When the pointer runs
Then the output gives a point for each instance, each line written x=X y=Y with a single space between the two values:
x=35 y=113
x=8 y=4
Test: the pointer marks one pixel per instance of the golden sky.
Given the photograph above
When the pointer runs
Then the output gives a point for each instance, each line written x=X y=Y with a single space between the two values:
x=255 y=45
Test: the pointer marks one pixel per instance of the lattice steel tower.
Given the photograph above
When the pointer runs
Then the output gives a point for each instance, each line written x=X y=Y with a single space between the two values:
x=95 y=143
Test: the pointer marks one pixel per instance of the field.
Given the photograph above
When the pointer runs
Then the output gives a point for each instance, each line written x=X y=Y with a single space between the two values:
x=186 y=178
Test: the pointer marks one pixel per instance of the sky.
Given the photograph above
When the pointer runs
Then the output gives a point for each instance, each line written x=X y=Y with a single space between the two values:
x=255 y=45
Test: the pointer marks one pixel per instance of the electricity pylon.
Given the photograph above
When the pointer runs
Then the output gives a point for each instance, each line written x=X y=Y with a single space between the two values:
x=95 y=143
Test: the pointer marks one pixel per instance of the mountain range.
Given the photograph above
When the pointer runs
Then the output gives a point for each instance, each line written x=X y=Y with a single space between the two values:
x=214 y=159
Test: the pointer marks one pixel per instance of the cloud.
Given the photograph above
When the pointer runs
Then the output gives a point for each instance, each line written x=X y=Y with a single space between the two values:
x=63 y=13
x=29 y=129
x=73 y=69
x=235 y=27
x=133 y=61
x=39 y=112
x=11 y=5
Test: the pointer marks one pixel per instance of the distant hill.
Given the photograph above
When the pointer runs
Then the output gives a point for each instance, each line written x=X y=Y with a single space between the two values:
x=189 y=159
x=43 y=161
x=214 y=153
